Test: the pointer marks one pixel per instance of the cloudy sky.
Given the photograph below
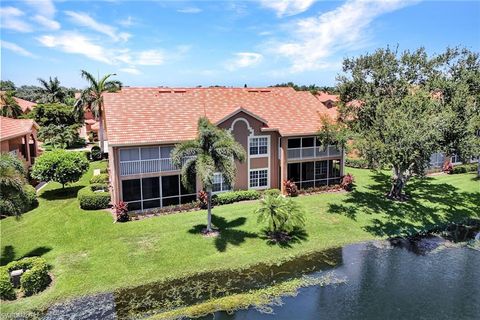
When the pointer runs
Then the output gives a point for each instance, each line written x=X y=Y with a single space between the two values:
x=189 y=43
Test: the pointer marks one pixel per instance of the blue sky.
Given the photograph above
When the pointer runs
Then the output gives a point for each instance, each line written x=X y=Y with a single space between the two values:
x=190 y=43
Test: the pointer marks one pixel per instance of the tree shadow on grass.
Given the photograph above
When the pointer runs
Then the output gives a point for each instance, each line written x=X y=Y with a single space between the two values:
x=297 y=235
x=430 y=205
x=228 y=233
x=8 y=253
x=61 y=194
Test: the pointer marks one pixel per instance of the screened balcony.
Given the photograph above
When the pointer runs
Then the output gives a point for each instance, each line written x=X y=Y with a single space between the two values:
x=309 y=148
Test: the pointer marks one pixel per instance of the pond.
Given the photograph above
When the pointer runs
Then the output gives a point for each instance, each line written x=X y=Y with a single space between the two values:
x=387 y=283
x=421 y=278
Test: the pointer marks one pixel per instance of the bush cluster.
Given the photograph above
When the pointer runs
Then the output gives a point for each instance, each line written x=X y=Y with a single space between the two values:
x=464 y=168
x=357 y=163
x=271 y=192
x=331 y=187
x=235 y=196
x=92 y=198
x=121 y=211
x=99 y=178
x=347 y=182
x=96 y=153
x=34 y=279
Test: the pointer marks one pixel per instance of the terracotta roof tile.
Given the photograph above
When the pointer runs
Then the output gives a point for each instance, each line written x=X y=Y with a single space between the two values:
x=159 y=115
x=25 y=105
x=11 y=128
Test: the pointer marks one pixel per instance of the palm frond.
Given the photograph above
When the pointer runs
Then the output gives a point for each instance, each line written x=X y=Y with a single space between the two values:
x=185 y=149
x=205 y=169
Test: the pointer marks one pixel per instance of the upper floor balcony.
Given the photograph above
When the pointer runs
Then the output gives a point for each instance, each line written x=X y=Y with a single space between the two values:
x=309 y=148
x=146 y=160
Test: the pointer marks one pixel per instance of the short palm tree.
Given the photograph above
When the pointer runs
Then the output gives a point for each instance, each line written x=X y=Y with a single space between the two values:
x=92 y=98
x=10 y=107
x=214 y=150
x=281 y=214
x=51 y=91
x=12 y=180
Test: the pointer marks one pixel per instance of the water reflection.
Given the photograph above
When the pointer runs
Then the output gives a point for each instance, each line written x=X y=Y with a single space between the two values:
x=388 y=283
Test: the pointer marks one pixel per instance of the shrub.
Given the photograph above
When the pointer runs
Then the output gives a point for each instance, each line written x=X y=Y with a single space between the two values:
x=30 y=197
x=347 y=182
x=99 y=178
x=203 y=199
x=464 y=168
x=35 y=278
x=273 y=192
x=235 y=196
x=88 y=154
x=60 y=166
x=6 y=288
x=104 y=170
x=447 y=167
x=290 y=188
x=96 y=153
x=319 y=189
x=92 y=197
x=282 y=215
x=357 y=163
x=121 y=211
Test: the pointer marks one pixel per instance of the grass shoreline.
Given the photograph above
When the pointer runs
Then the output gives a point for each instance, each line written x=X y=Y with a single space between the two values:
x=90 y=254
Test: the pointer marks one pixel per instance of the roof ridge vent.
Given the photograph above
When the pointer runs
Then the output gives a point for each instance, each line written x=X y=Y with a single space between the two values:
x=165 y=91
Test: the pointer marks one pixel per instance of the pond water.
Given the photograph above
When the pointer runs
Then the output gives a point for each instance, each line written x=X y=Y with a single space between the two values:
x=384 y=282
x=423 y=278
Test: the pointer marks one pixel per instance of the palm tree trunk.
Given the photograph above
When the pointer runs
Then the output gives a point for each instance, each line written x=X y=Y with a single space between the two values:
x=209 y=214
x=100 y=132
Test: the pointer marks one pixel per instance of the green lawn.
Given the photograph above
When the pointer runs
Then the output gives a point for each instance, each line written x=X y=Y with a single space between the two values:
x=89 y=253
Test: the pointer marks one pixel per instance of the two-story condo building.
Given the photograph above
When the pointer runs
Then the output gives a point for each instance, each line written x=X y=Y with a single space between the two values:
x=276 y=126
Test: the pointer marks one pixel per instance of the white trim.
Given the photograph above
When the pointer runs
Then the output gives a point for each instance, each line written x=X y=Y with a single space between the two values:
x=239 y=110
x=246 y=122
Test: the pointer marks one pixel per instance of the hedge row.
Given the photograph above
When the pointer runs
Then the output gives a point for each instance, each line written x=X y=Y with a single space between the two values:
x=91 y=198
x=99 y=178
x=357 y=163
x=235 y=196
x=464 y=168
x=34 y=279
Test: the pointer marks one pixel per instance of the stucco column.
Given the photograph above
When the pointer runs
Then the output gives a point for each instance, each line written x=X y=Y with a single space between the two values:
x=114 y=174
x=27 y=149
x=283 y=162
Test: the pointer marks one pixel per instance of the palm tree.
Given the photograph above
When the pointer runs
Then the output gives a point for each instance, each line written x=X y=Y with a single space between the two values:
x=51 y=91
x=12 y=180
x=281 y=214
x=92 y=97
x=214 y=150
x=10 y=107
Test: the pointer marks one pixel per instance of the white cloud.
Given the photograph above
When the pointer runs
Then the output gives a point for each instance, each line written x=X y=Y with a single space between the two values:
x=16 y=48
x=84 y=20
x=131 y=70
x=128 y=22
x=287 y=7
x=316 y=39
x=243 y=60
x=12 y=18
x=44 y=8
x=150 y=58
x=190 y=10
x=46 y=22
x=72 y=42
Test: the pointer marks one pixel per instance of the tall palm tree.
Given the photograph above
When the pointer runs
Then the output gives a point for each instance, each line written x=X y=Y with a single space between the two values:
x=10 y=107
x=51 y=91
x=92 y=97
x=214 y=150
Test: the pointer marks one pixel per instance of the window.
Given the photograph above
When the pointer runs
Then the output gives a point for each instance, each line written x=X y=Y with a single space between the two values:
x=314 y=173
x=170 y=186
x=219 y=184
x=293 y=173
x=259 y=146
x=294 y=143
x=131 y=190
x=129 y=154
x=308 y=171
x=149 y=153
x=258 y=178
x=334 y=166
x=321 y=169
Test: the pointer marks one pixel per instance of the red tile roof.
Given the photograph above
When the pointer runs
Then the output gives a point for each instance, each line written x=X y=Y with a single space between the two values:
x=325 y=96
x=160 y=115
x=11 y=128
x=25 y=105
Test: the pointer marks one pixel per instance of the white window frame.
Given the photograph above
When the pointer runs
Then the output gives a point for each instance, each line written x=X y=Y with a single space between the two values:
x=262 y=155
x=258 y=186
x=222 y=183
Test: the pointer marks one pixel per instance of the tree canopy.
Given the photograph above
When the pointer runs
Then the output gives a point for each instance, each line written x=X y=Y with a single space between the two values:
x=60 y=166
x=394 y=120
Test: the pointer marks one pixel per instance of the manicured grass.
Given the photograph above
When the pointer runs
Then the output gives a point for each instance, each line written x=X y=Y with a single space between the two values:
x=89 y=253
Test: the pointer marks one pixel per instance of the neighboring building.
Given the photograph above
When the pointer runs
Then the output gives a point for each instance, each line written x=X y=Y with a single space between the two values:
x=276 y=126
x=19 y=137
x=25 y=105
x=437 y=160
